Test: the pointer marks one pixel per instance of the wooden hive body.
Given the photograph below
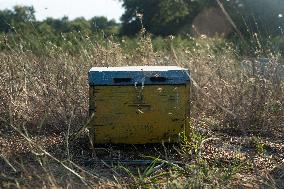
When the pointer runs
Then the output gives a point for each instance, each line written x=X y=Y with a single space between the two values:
x=138 y=105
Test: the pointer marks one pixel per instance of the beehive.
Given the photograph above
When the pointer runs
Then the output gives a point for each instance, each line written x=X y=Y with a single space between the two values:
x=138 y=104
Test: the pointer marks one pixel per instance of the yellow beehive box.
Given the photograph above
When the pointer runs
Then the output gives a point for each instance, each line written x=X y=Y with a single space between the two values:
x=138 y=104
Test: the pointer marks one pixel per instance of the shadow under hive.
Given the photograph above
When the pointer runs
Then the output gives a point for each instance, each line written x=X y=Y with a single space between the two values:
x=138 y=104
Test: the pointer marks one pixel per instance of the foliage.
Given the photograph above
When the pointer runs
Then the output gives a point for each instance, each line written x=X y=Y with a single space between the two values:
x=263 y=17
x=17 y=19
x=22 y=20
x=159 y=17
x=260 y=28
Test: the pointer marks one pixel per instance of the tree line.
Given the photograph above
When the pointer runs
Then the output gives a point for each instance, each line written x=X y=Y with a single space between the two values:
x=159 y=17
x=22 y=18
x=263 y=18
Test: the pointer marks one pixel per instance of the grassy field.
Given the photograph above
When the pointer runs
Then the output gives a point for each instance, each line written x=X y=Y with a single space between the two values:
x=237 y=118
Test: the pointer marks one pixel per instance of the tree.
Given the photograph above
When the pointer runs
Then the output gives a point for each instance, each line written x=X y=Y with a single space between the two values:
x=6 y=17
x=160 y=17
x=58 y=25
x=101 y=23
x=80 y=25
x=23 y=14
x=23 y=18
x=16 y=19
x=165 y=17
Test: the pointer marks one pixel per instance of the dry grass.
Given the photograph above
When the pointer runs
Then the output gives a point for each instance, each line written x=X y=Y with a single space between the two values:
x=44 y=99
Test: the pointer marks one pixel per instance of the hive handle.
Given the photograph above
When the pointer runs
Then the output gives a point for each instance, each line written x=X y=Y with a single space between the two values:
x=122 y=80
x=158 y=79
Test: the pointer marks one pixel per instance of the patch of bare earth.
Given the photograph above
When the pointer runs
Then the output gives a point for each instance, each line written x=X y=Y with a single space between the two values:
x=259 y=164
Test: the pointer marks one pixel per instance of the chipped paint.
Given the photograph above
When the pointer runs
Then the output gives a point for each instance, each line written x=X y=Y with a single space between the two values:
x=122 y=117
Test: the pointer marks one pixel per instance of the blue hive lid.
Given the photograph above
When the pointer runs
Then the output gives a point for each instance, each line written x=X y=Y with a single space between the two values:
x=138 y=75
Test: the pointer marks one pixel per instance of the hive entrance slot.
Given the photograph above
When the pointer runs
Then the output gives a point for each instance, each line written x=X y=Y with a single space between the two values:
x=158 y=79
x=121 y=80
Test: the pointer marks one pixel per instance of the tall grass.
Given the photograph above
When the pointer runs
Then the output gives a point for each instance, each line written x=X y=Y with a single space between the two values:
x=47 y=94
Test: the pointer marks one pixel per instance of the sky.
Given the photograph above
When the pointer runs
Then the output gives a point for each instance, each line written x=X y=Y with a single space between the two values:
x=112 y=9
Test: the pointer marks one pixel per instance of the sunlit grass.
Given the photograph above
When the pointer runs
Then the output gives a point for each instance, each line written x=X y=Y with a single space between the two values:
x=44 y=94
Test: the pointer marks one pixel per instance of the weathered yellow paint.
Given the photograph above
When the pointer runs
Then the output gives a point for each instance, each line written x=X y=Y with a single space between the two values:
x=138 y=115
